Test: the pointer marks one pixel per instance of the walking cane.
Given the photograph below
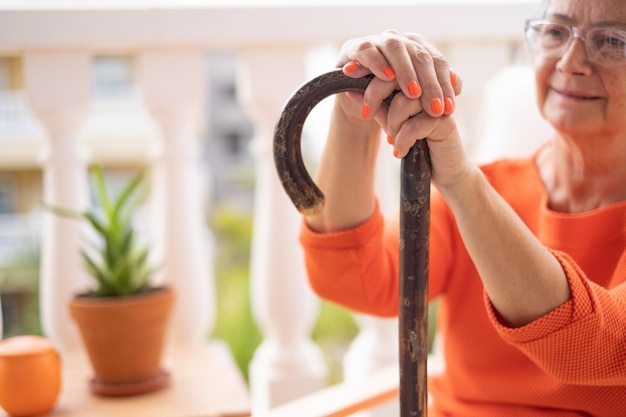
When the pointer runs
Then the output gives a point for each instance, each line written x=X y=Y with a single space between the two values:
x=414 y=225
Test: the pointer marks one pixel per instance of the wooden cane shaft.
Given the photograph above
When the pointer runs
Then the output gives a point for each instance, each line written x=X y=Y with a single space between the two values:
x=413 y=300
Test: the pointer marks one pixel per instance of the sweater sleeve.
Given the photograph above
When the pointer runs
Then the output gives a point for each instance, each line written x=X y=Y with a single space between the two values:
x=353 y=268
x=581 y=342
x=359 y=268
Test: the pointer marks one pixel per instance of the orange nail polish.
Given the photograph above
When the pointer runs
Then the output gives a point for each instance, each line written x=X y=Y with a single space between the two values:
x=389 y=72
x=390 y=139
x=395 y=153
x=351 y=66
x=448 y=105
x=436 y=106
x=414 y=88
x=365 y=111
x=453 y=78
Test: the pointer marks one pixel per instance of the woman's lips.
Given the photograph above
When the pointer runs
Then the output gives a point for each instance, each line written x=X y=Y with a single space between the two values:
x=577 y=95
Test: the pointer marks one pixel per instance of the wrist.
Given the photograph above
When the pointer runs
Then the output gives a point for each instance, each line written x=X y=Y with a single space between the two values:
x=464 y=185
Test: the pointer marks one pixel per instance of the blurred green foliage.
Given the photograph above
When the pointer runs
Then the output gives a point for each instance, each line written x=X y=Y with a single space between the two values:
x=19 y=281
x=233 y=232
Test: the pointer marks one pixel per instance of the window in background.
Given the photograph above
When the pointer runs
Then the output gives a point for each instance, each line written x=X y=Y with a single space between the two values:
x=112 y=76
x=6 y=195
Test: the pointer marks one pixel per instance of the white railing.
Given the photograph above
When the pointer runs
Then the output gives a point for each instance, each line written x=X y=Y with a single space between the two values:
x=55 y=41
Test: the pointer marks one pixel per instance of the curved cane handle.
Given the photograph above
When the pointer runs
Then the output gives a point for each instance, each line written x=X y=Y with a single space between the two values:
x=296 y=181
x=414 y=225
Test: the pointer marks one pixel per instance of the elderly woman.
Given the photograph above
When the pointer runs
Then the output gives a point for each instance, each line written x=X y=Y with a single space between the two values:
x=528 y=256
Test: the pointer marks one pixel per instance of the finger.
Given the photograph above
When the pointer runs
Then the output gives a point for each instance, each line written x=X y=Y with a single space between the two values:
x=354 y=69
x=377 y=91
x=434 y=75
x=355 y=96
x=451 y=86
x=412 y=130
x=427 y=65
x=401 y=109
x=381 y=117
x=456 y=81
x=359 y=57
x=397 y=52
x=446 y=77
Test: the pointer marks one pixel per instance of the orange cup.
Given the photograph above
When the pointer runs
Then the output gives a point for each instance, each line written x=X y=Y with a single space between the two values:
x=30 y=375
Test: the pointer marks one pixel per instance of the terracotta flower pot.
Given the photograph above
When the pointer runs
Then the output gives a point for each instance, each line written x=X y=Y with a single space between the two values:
x=124 y=338
x=30 y=375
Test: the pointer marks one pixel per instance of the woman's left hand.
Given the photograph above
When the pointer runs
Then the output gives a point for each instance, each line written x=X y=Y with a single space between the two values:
x=522 y=278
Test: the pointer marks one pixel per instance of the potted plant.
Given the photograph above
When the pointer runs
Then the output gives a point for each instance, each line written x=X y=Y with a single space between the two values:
x=123 y=318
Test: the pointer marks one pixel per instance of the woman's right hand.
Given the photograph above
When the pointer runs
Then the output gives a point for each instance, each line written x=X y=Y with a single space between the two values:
x=405 y=62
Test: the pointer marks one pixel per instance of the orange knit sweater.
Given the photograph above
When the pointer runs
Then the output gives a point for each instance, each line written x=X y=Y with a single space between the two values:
x=571 y=362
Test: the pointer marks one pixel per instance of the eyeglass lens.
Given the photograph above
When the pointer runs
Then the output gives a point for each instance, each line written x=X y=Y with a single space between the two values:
x=605 y=46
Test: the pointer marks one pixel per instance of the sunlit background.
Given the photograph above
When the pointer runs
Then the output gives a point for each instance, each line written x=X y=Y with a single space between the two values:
x=251 y=55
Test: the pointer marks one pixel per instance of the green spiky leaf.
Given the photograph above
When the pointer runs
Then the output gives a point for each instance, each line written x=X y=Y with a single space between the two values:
x=121 y=266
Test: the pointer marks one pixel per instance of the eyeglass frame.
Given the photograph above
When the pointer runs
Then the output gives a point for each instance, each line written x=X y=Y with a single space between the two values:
x=574 y=32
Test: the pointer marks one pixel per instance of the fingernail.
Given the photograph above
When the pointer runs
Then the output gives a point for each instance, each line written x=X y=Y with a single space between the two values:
x=414 y=88
x=448 y=105
x=436 y=106
x=395 y=153
x=389 y=72
x=453 y=78
x=365 y=111
x=351 y=66
x=390 y=139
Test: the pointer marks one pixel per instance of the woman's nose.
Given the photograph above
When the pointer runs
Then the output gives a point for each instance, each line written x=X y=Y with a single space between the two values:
x=575 y=59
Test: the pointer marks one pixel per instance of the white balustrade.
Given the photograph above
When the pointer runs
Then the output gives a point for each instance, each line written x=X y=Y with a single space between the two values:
x=173 y=86
x=375 y=347
x=170 y=40
x=287 y=364
x=58 y=88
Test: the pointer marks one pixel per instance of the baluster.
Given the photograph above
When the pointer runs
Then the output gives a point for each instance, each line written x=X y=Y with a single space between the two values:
x=287 y=364
x=173 y=87
x=58 y=88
